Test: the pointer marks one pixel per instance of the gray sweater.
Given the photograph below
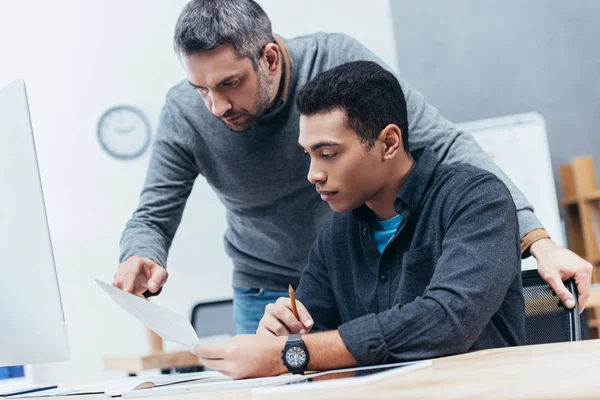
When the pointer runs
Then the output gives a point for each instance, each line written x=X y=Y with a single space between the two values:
x=273 y=212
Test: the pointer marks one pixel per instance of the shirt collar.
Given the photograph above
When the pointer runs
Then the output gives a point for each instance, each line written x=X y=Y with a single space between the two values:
x=287 y=66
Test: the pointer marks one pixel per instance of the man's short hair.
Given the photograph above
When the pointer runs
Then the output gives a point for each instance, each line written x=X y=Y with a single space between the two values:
x=204 y=25
x=370 y=96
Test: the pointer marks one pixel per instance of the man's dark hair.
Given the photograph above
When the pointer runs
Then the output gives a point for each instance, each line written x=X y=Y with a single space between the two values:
x=204 y=25
x=370 y=96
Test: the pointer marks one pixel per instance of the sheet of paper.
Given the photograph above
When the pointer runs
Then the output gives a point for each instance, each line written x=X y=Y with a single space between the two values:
x=209 y=385
x=166 y=323
x=140 y=383
x=119 y=387
x=332 y=382
x=83 y=388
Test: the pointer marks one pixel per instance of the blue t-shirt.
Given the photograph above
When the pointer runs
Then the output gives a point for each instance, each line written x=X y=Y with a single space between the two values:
x=384 y=231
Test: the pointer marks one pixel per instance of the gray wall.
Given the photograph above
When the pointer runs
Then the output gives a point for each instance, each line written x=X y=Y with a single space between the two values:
x=476 y=59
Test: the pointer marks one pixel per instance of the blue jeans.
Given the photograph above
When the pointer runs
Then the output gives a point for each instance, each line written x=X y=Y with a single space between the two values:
x=249 y=307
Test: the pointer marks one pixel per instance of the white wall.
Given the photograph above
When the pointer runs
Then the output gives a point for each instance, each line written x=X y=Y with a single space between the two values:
x=368 y=21
x=79 y=58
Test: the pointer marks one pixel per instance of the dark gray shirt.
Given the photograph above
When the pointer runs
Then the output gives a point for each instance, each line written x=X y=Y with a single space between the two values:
x=273 y=212
x=448 y=282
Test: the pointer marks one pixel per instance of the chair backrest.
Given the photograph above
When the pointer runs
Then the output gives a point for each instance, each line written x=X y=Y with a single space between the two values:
x=213 y=318
x=547 y=320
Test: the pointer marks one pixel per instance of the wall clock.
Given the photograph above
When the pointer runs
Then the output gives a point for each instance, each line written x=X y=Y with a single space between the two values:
x=124 y=132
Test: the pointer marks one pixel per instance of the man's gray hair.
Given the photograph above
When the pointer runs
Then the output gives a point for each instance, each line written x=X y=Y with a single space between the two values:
x=204 y=25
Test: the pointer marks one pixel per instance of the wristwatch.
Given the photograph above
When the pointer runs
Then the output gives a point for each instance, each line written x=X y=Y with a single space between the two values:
x=295 y=355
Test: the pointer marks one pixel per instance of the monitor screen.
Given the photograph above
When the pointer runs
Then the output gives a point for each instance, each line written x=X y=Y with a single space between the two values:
x=32 y=330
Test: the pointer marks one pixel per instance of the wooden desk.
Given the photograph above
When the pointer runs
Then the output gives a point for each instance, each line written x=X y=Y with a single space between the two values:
x=561 y=370
x=557 y=371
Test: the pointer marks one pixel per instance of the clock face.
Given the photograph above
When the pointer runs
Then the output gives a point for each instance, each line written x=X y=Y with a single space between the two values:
x=295 y=356
x=124 y=132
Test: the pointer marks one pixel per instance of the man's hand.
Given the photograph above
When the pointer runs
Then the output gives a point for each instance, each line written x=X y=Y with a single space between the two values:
x=279 y=320
x=245 y=356
x=555 y=264
x=137 y=274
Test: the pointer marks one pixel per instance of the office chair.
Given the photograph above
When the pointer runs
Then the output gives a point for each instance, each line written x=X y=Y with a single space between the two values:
x=211 y=319
x=547 y=320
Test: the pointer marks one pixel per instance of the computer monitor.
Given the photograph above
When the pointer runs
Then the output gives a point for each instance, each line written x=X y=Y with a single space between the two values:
x=32 y=326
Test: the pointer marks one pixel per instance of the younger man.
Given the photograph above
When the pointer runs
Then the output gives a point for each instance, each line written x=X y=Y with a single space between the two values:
x=421 y=259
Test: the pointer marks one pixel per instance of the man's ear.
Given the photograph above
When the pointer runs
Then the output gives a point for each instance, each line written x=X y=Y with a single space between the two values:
x=391 y=138
x=273 y=57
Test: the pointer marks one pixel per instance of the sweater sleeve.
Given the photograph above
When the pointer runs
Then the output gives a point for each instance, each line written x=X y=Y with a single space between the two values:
x=169 y=181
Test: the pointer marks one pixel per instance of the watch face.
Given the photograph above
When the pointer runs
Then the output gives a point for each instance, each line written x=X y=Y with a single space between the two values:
x=295 y=356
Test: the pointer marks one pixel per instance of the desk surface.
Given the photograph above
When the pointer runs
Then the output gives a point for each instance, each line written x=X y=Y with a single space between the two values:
x=560 y=370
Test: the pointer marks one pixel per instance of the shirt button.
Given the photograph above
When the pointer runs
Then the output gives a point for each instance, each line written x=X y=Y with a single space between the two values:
x=383 y=278
x=364 y=231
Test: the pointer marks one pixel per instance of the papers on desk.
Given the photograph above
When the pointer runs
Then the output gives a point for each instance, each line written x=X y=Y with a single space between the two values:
x=333 y=379
x=212 y=381
x=210 y=385
x=167 y=324
x=344 y=378
x=128 y=386
x=121 y=387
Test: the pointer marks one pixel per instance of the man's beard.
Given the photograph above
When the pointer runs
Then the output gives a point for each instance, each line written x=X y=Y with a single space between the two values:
x=265 y=89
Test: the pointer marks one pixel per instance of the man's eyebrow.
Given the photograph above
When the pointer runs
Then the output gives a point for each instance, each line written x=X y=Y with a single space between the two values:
x=194 y=86
x=317 y=146
x=229 y=78
x=324 y=143
x=224 y=80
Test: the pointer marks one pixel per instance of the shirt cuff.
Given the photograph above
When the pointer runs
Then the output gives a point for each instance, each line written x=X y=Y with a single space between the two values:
x=363 y=338
x=529 y=239
x=527 y=222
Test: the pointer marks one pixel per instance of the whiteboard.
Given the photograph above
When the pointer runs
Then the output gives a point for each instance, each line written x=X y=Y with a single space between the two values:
x=519 y=146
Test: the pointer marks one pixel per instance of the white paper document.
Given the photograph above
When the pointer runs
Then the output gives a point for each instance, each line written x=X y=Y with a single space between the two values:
x=138 y=383
x=209 y=385
x=167 y=324
x=336 y=379
x=120 y=387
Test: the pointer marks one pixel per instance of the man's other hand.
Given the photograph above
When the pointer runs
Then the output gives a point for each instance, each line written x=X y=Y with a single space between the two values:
x=556 y=264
